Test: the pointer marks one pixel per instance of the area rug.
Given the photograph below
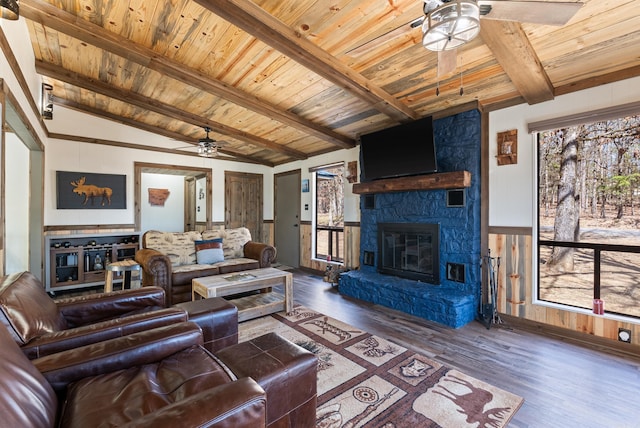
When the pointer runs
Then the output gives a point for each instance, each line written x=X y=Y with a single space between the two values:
x=368 y=381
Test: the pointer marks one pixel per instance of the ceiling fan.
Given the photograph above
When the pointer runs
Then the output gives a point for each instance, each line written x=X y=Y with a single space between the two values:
x=207 y=147
x=448 y=24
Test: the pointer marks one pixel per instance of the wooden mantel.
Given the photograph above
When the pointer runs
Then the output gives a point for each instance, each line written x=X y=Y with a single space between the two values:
x=441 y=180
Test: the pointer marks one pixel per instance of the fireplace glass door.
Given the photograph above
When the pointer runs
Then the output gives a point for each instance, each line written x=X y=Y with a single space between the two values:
x=410 y=251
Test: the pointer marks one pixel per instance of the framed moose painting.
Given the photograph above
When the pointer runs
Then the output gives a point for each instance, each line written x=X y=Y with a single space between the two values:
x=85 y=190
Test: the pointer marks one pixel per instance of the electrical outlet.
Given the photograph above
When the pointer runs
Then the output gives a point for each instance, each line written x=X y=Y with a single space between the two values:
x=624 y=335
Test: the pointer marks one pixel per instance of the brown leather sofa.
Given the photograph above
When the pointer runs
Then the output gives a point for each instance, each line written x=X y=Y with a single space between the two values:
x=162 y=378
x=42 y=326
x=168 y=259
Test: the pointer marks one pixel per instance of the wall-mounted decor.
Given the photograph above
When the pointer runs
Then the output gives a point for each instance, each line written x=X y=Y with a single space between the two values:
x=86 y=190
x=352 y=172
x=305 y=185
x=508 y=147
x=158 y=197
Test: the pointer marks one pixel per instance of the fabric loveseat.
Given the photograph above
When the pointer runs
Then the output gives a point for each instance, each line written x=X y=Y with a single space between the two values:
x=171 y=259
x=162 y=378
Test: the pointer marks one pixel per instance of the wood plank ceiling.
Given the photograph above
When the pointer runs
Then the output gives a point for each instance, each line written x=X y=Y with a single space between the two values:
x=279 y=81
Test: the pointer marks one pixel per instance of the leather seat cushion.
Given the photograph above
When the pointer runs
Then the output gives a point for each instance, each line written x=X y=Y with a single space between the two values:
x=117 y=398
x=286 y=371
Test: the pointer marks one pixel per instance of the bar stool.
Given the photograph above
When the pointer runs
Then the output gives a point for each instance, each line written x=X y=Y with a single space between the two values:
x=126 y=266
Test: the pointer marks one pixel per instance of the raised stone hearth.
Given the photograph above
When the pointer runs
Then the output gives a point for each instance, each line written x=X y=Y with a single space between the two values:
x=453 y=300
x=451 y=307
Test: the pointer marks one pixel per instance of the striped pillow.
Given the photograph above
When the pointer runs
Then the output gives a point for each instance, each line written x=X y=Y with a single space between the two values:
x=209 y=252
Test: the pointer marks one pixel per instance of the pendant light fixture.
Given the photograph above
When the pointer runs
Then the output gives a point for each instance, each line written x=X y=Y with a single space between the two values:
x=451 y=25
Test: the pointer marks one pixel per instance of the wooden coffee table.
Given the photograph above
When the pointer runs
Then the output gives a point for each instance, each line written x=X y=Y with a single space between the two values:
x=255 y=305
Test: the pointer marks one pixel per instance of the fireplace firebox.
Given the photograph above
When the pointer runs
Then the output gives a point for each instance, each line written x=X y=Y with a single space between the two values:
x=410 y=250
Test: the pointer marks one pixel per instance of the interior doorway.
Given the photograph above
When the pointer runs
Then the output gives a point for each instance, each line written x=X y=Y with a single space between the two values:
x=287 y=217
x=22 y=211
x=140 y=196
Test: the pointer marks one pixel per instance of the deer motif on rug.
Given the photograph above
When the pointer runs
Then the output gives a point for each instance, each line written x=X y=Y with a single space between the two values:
x=91 y=191
x=472 y=403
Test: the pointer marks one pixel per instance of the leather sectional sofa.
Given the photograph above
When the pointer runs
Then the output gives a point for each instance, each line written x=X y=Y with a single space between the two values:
x=121 y=358
x=42 y=326
x=169 y=259
x=161 y=377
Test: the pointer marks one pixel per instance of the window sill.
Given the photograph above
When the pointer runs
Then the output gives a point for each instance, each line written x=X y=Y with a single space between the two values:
x=614 y=317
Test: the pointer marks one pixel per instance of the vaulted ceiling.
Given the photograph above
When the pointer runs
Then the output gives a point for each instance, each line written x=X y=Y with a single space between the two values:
x=279 y=81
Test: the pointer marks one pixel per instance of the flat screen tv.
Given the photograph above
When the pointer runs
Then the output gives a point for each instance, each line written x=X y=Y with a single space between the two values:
x=407 y=149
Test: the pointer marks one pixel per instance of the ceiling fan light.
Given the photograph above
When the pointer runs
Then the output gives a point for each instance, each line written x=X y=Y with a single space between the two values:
x=207 y=150
x=9 y=9
x=451 y=25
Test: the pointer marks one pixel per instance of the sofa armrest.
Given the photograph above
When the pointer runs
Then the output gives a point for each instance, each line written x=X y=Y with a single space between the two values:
x=58 y=341
x=235 y=404
x=264 y=253
x=136 y=349
x=89 y=309
x=156 y=270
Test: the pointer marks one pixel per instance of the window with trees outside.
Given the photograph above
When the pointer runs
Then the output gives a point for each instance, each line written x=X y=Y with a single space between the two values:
x=589 y=215
x=329 y=210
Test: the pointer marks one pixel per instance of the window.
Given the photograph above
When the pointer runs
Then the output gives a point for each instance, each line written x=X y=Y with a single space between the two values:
x=329 y=212
x=589 y=213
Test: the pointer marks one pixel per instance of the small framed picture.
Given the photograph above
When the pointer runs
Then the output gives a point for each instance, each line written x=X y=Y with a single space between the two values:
x=305 y=185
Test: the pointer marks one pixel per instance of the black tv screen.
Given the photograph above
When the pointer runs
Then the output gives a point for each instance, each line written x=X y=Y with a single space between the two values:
x=407 y=149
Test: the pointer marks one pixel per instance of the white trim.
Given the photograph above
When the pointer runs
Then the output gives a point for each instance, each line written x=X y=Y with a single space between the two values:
x=328 y=166
x=534 y=217
x=607 y=113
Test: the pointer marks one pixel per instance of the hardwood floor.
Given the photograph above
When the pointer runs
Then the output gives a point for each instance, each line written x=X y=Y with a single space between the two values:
x=564 y=383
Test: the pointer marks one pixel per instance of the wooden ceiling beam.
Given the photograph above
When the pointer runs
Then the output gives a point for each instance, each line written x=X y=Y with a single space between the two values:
x=73 y=78
x=513 y=51
x=256 y=21
x=112 y=143
x=143 y=126
x=67 y=23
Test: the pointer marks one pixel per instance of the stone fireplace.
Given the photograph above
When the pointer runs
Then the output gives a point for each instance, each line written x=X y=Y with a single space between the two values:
x=397 y=276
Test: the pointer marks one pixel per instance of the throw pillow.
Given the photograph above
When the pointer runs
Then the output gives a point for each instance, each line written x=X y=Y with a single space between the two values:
x=209 y=252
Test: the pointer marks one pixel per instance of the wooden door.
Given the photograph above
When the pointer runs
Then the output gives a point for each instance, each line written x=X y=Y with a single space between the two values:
x=189 y=204
x=243 y=202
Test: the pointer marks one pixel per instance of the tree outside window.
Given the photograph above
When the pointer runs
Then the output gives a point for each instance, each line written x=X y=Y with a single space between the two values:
x=329 y=225
x=589 y=189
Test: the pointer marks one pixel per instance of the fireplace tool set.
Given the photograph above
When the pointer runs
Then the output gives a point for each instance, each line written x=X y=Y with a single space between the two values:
x=489 y=309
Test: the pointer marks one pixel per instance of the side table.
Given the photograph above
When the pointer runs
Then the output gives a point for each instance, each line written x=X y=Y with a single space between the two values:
x=126 y=266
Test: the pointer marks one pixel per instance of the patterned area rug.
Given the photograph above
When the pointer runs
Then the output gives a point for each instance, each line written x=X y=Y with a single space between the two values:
x=365 y=380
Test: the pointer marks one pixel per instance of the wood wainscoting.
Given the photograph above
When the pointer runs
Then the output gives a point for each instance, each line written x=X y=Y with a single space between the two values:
x=515 y=294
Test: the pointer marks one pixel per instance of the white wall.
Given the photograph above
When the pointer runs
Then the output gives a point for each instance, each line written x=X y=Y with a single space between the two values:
x=62 y=155
x=17 y=196
x=351 y=200
x=167 y=218
x=512 y=192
